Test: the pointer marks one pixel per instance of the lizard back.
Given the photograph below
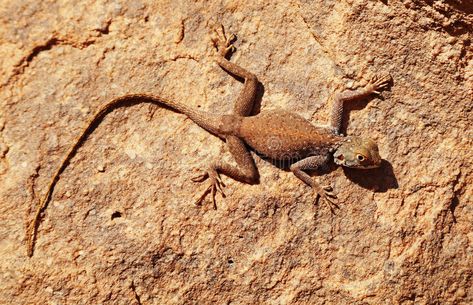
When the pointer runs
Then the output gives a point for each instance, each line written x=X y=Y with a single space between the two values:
x=282 y=135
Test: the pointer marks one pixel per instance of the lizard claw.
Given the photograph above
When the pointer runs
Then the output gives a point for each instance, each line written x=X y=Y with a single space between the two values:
x=216 y=185
x=328 y=188
x=220 y=41
x=200 y=178
x=326 y=194
x=379 y=83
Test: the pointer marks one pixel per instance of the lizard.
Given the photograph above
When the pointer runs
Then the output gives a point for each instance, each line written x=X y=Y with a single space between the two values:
x=276 y=134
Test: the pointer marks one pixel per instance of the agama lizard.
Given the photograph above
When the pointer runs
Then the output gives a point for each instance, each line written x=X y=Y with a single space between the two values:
x=277 y=135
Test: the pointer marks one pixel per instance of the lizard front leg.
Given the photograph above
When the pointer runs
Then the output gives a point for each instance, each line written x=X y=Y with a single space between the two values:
x=375 y=85
x=245 y=171
x=314 y=163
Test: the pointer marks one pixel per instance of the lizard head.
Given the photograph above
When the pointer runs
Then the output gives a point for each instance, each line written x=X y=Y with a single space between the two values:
x=357 y=152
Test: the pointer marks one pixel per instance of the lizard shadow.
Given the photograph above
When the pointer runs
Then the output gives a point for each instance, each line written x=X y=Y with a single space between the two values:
x=379 y=179
x=285 y=165
x=258 y=99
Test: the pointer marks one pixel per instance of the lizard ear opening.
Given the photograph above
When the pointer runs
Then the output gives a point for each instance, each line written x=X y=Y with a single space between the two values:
x=340 y=157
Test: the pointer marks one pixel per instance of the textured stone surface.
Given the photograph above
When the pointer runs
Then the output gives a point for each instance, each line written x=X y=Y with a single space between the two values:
x=121 y=227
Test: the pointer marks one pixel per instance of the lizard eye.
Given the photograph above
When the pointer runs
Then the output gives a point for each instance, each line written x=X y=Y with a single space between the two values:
x=360 y=157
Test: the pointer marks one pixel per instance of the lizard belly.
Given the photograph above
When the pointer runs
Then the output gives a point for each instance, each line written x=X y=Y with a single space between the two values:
x=282 y=135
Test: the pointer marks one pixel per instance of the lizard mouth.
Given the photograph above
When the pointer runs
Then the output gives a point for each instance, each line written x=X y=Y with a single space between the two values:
x=340 y=160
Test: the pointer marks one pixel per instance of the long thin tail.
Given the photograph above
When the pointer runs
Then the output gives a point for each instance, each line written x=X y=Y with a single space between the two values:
x=205 y=120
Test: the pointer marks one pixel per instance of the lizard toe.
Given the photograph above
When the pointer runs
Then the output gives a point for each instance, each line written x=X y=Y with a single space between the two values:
x=332 y=203
x=381 y=82
x=329 y=194
x=327 y=188
x=214 y=187
x=200 y=178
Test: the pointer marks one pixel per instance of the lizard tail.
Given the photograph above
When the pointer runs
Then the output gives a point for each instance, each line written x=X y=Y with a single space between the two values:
x=203 y=119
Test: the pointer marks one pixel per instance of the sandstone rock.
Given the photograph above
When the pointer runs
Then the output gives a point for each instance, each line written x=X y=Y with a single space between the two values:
x=131 y=235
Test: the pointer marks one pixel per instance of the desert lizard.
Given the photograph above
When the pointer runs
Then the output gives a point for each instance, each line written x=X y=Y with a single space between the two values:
x=276 y=135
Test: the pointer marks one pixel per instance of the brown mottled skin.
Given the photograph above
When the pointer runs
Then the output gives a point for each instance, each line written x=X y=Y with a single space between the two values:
x=277 y=135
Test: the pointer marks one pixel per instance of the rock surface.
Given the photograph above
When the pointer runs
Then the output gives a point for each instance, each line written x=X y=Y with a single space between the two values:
x=121 y=227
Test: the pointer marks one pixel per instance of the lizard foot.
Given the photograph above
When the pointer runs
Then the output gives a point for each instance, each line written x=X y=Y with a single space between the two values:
x=379 y=83
x=325 y=193
x=216 y=185
x=220 y=41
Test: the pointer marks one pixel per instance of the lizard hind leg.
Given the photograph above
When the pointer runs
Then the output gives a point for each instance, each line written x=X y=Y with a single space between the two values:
x=245 y=170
